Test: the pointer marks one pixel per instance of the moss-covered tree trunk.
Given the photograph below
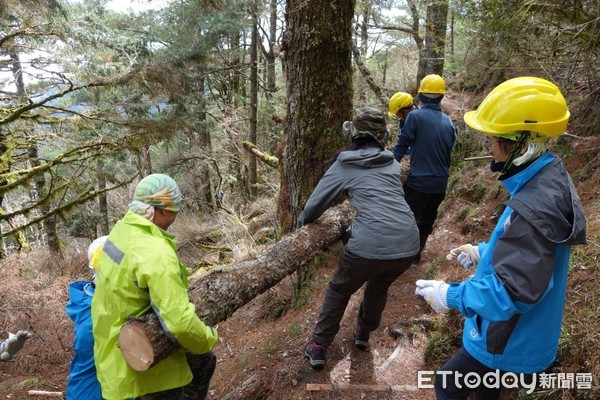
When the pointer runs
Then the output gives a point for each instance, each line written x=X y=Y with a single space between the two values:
x=431 y=59
x=103 y=224
x=207 y=189
x=318 y=69
x=252 y=166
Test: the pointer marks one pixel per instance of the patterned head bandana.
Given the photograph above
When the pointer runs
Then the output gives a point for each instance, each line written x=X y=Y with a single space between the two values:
x=156 y=190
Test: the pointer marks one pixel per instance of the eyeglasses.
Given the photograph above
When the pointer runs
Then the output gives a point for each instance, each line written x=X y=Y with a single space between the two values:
x=489 y=142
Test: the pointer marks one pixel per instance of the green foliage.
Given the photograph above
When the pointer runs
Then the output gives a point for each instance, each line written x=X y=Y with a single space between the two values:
x=443 y=340
x=577 y=352
x=269 y=350
x=550 y=39
x=462 y=214
x=295 y=330
x=432 y=269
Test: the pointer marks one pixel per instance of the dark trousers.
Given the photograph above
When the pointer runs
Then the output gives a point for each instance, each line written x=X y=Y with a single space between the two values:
x=463 y=362
x=352 y=272
x=203 y=367
x=425 y=207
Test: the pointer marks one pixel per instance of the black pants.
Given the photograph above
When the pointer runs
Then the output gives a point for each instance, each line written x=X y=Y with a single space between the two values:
x=453 y=389
x=203 y=367
x=425 y=207
x=352 y=272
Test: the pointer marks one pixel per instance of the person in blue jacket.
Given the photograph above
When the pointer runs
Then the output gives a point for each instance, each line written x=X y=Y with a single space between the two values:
x=82 y=382
x=430 y=135
x=514 y=303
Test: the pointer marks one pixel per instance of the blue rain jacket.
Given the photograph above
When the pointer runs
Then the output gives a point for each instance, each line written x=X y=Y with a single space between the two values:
x=82 y=383
x=514 y=303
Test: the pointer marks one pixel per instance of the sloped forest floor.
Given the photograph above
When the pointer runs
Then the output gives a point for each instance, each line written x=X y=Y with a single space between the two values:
x=260 y=351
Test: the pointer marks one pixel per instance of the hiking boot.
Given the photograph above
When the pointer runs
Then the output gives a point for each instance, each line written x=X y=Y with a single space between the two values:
x=316 y=354
x=361 y=337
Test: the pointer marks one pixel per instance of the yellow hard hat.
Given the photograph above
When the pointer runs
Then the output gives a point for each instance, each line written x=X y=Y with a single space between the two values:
x=398 y=101
x=521 y=104
x=433 y=84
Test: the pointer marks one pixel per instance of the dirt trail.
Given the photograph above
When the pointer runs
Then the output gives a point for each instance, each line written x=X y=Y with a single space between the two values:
x=271 y=352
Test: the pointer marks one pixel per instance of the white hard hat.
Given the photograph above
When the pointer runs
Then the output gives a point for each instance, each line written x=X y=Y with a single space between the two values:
x=94 y=250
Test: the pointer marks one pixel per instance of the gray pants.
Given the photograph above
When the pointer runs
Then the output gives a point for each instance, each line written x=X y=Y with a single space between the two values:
x=203 y=367
x=352 y=272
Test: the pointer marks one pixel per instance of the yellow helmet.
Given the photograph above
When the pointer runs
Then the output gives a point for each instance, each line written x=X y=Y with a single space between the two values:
x=521 y=104
x=433 y=84
x=398 y=101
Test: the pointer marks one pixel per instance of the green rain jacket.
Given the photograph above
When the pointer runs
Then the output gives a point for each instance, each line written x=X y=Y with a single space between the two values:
x=138 y=270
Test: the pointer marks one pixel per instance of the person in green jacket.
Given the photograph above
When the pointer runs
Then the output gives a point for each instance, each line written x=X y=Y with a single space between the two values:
x=139 y=272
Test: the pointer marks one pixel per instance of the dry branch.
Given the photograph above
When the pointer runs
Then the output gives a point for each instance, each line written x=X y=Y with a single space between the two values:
x=371 y=81
x=271 y=161
x=478 y=158
x=220 y=292
x=339 y=387
x=45 y=393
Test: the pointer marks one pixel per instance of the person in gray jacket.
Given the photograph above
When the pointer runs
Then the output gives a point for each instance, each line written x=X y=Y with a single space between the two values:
x=384 y=235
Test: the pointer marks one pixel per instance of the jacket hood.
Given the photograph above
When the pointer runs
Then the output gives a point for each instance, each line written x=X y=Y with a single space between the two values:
x=556 y=211
x=80 y=299
x=367 y=157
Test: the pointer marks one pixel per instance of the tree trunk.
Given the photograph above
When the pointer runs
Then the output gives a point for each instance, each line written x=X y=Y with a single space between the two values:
x=219 y=293
x=435 y=37
x=103 y=225
x=48 y=227
x=22 y=95
x=252 y=167
x=364 y=46
x=318 y=53
x=144 y=160
x=203 y=138
x=270 y=55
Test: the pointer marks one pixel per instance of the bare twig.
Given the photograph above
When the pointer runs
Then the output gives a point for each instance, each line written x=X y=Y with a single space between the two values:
x=478 y=158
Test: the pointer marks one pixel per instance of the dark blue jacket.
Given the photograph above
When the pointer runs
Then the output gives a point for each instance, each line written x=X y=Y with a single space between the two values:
x=514 y=303
x=82 y=383
x=431 y=135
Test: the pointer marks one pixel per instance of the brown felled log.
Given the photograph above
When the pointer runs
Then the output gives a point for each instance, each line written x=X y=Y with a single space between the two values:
x=142 y=342
x=220 y=292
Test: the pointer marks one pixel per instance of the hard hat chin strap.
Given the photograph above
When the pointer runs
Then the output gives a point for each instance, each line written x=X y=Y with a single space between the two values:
x=516 y=151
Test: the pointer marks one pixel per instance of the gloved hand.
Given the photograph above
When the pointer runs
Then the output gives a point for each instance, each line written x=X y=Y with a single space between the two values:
x=13 y=344
x=467 y=255
x=434 y=293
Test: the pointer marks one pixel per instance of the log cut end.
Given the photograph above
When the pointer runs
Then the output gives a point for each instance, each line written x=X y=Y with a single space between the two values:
x=136 y=347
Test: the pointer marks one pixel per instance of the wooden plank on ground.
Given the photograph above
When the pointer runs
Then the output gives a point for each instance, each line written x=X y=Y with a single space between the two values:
x=335 y=387
x=332 y=387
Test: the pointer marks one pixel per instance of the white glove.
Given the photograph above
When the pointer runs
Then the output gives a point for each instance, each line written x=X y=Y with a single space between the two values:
x=13 y=344
x=434 y=293
x=467 y=255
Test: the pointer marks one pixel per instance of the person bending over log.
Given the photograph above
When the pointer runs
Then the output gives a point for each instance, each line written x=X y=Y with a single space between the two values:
x=384 y=237
x=139 y=272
